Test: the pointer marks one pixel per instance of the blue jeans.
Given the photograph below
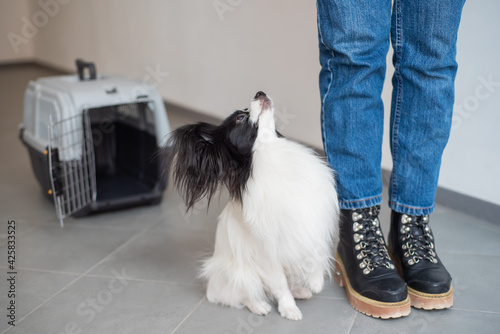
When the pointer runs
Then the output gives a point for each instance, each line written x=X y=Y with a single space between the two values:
x=354 y=37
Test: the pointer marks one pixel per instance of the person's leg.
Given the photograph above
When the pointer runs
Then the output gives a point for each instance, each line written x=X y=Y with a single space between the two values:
x=353 y=41
x=424 y=35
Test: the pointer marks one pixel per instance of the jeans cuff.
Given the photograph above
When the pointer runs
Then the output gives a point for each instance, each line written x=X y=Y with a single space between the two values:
x=361 y=204
x=411 y=210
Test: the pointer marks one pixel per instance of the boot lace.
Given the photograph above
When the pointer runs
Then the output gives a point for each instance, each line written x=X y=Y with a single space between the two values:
x=417 y=239
x=369 y=240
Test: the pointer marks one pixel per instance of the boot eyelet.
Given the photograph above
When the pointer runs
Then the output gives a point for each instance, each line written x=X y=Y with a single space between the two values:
x=358 y=237
x=366 y=234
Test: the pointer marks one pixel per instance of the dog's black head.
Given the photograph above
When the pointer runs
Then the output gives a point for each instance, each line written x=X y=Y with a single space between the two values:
x=238 y=133
x=204 y=156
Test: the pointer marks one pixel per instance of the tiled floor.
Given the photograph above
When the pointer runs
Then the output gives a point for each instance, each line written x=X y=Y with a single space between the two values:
x=134 y=271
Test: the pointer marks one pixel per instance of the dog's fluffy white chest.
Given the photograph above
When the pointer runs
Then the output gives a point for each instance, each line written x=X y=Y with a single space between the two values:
x=290 y=202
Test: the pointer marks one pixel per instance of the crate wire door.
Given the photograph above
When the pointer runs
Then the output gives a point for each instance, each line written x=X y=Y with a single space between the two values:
x=72 y=164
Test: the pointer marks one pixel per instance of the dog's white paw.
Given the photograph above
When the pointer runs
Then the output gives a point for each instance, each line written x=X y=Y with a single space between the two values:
x=259 y=308
x=301 y=293
x=316 y=283
x=291 y=313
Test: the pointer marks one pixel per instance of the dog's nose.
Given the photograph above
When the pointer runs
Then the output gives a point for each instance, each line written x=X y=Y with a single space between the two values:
x=259 y=94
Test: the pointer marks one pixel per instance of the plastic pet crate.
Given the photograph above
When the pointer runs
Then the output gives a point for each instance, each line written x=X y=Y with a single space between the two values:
x=92 y=141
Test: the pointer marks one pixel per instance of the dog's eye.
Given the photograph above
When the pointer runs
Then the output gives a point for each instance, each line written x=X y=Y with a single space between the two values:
x=241 y=118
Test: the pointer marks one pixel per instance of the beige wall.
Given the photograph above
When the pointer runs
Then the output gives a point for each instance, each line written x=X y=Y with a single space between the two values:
x=13 y=17
x=214 y=62
x=214 y=65
x=471 y=161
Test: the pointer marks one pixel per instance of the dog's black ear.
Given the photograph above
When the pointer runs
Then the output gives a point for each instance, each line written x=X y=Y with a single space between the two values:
x=194 y=160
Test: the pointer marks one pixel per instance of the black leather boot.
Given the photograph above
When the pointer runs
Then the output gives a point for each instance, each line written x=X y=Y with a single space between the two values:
x=364 y=268
x=411 y=244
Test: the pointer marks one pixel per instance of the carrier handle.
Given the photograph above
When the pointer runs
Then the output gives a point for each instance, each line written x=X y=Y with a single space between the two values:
x=81 y=65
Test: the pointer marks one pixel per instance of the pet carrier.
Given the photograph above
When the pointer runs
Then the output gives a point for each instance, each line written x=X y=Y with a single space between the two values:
x=92 y=141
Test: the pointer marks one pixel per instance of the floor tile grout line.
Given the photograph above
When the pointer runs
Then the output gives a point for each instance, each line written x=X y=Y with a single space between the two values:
x=48 y=271
x=20 y=234
x=107 y=228
x=330 y=298
x=103 y=227
x=116 y=250
x=469 y=253
x=80 y=224
x=116 y=228
x=105 y=276
x=352 y=323
x=472 y=310
x=144 y=280
x=188 y=315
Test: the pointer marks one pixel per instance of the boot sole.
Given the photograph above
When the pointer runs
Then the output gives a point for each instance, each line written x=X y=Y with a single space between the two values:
x=367 y=306
x=429 y=301
x=426 y=301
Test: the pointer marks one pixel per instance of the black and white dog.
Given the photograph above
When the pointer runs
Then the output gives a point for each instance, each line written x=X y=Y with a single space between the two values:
x=274 y=238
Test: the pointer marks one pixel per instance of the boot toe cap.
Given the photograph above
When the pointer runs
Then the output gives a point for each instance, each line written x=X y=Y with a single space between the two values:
x=432 y=281
x=389 y=290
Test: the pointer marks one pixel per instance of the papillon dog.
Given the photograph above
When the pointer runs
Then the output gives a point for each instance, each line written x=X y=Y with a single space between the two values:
x=275 y=237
